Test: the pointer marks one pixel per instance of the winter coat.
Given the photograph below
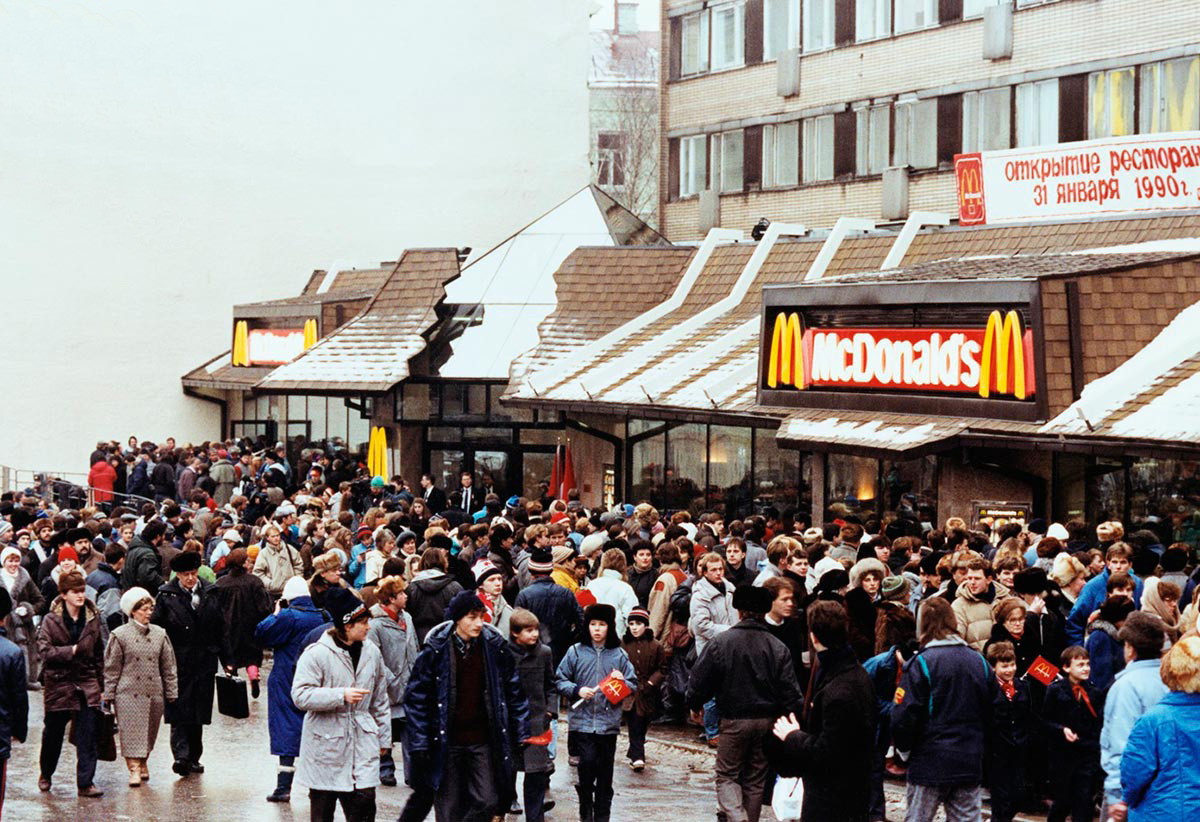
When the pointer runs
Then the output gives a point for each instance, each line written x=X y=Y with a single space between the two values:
x=558 y=612
x=14 y=698
x=397 y=641
x=1159 y=776
x=195 y=635
x=162 y=481
x=1090 y=599
x=1136 y=690
x=749 y=672
x=833 y=752
x=669 y=578
x=428 y=596
x=275 y=566
x=24 y=594
x=863 y=614
x=501 y=616
x=139 y=677
x=1013 y=725
x=642 y=582
x=107 y=585
x=610 y=589
x=284 y=633
x=974 y=613
x=139 y=480
x=712 y=612
x=650 y=664
x=430 y=698
x=1062 y=710
x=244 y=602
x=340 y=743
x=948 y=692
x=1106 y=652
x=225 y=476
x=535 y=667
x=66 y=673
x=585 y=665
x=143 y=567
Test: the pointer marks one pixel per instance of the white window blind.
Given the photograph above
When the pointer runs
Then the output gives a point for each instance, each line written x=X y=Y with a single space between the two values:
x=728 y=35
x=695 y=43
x=987 y=119
x=692 y=165
x=818 y=149
x=781 y=154
x=872 y=133
x=818 y=25
x=1170 y=96
x=1037 y=113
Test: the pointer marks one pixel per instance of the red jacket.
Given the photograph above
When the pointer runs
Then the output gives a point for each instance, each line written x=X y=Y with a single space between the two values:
x=101 y=477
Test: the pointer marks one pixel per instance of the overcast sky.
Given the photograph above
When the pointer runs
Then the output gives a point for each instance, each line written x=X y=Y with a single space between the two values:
x=160 y=161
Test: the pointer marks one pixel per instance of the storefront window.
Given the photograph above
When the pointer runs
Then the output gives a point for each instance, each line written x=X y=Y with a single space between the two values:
x=851 y=486
x=536 y=468
x=910 y=489
x=296 y=410
x=416 y=402
x=337 y=420
x=729 y=489
x=318 y=418
x=684 y=482
x=778 y=481
x=1164 y=498
x=446 y=464
x=359 y=433
x=646 y=477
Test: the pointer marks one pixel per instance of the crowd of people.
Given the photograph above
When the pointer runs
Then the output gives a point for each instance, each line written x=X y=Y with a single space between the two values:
x=1055 y=665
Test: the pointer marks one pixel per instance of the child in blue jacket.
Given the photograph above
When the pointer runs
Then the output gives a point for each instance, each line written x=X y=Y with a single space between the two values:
x=594 y=720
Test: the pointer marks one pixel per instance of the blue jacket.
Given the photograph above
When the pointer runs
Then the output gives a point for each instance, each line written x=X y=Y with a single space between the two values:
x=944 y=713
x=1136 y=690
x=14 y=699
x=285 y=633
x=586 y=666
x=1090 y=599
x=430 y=695
x=558 y=612
x=1159 y=777
x=1106 y=653
x=357 y=567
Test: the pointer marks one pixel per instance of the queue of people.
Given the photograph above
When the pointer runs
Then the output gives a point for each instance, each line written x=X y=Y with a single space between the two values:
x=1021 y=662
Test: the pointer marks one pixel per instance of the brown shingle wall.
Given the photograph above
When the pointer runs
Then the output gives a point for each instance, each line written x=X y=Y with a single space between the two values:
x=1056 y=329
x=350 y=309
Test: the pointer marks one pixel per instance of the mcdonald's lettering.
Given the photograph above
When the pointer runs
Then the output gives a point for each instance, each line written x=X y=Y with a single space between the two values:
x=273 y=346
x=993 y=361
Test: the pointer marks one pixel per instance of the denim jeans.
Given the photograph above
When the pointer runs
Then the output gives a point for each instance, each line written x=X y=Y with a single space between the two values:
x=712 y=720
x=85 y=741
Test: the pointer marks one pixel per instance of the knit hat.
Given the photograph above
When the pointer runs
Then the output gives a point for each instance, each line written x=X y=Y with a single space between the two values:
x=131 y=598
x=483 y=569
x=377 y=482
x=604 y=613
x=1030 y=581
x=326 y=561
x=362 y=531
x=295 y=588
x=68 y=552
x=463 y=603
x=894 y=589
x=541 y=561
x=812 y=536
x=866 y=566
x=344 y=606
x=185 y=561
x=640 y=614
x=561 y=554
x=752 y=599
x=1066 y=569
x=1058 y=531
x=12 y=549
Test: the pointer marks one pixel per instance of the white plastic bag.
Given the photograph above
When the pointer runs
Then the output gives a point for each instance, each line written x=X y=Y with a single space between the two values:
x=787 y=799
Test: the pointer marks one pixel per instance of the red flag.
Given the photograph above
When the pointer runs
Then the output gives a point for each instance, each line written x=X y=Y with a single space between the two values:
x=585 y=597
x=1042 y=670
x=568 y=473
x=556 y=472
x=542 y=739
x=614 y=689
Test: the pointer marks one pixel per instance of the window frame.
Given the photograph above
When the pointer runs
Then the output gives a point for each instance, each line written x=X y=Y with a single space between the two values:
x=876 y=5
x=610 y=158
x=1100 y=131
x=908 y=131
x=868 y=128
x=810 y=145
x=703 y=38
x=830 y=32
x=718 y=145
x=791 y=37
x=738 y=7
x=1159 y=108
x=687 y=158
x=1020 y=93
x=976 y=101
x=772 y=152
x=930 y=10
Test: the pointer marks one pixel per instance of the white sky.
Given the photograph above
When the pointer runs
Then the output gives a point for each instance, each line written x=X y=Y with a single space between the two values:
x=160 y=162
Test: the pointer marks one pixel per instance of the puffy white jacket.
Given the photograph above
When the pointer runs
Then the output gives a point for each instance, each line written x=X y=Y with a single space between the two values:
x=610 y=589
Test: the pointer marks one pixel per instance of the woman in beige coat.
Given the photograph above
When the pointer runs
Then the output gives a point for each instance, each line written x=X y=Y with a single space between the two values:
x=139 y=678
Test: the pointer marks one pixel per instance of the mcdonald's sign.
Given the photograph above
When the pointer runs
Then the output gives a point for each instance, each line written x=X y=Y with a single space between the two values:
x=992 y=361
x=968 y=172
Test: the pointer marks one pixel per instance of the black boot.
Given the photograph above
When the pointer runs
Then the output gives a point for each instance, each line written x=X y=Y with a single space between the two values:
x=283 y=786
x=585 y=805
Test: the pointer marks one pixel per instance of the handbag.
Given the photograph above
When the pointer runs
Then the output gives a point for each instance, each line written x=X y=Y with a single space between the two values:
x=231 y=696
x=787 y=798
x=106 y=735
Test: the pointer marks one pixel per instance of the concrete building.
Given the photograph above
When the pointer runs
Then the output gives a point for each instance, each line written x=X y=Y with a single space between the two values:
x=808 y=110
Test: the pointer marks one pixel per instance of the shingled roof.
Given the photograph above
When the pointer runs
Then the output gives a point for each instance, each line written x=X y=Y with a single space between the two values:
x=370 y=353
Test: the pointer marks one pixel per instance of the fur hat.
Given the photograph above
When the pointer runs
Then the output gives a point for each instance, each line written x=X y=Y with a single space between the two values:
x=865 y=566
x=1029 y=581
x=295 y=588
x=1066 y=569
x=131 y=598
x=1116 y=608
x=1174 y=560
x=344 y=606
x=71 y=581
x=326 y=561
x=11 y=549
x=752 y=599
x=1110 y=531
x=463 y=603
x=605 y=613
x=1180 y=668
x=185 y=561
x=1145 y=563
x=812 y=536
x=894 y=589
x=541 y=561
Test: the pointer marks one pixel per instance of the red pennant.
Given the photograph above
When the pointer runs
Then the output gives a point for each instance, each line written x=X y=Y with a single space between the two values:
x=1043 y=671
x=568 y=474
x=614 y=689
x=585 y=597
x=541 y=740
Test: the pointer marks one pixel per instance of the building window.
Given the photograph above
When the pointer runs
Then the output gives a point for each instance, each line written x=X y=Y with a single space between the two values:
x=695 y=43
x=729 y=487
x=728 y=35
x=1170 y=98
x=874 y=131
x=1110 y=103
x=610 y=159
x=915 y=14
x=818 y=149
x=987 y=119
x=916 y=133
x=781 y=155
x=974 y=8
x=727 y=153
x=627 y=18
x=872 y=19
x=851 y=486
x=781 y=27
x=818 y=25
x=691 y=165
x=1037 y=113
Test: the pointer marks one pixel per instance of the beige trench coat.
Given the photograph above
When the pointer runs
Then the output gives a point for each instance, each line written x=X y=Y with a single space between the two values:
x=139 y=675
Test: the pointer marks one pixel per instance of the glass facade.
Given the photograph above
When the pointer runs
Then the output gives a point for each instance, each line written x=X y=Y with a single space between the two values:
x=1160 y=495
x=864 y=488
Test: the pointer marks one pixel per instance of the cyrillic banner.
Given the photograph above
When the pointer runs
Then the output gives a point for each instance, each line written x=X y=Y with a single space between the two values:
x=1147 y=172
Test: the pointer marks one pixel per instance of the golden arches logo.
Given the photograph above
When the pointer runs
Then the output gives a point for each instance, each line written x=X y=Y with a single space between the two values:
x=241 y=349
x=310 y=333
x=377 y=456
x=786 y=364
x=1004 y=335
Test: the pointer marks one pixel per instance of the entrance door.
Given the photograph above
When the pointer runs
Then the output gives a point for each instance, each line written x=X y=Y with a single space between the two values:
x=496 y=468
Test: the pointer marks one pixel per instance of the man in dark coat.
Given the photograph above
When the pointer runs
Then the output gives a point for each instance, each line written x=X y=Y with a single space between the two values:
x=435 y=498
x=832 y=752
x=14 y=699
x=751 y=676
x=143 y=562
x=188 y=609
x=556 y=608
x=467 y=716
x=244 y=602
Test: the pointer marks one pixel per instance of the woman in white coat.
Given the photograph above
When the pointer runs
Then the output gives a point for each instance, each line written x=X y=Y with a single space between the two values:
x=610 y=587
x=341 y=683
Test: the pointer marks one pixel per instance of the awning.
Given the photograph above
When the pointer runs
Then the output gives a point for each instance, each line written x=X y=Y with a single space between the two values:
x=869 y=434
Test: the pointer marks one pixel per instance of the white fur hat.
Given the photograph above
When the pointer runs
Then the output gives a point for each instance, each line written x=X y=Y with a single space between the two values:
x=131 y=598
x=294 y=588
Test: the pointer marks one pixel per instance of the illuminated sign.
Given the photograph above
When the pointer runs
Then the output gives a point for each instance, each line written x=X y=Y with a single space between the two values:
x=271 y=346
x=1117 y=175
x=993 y=361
